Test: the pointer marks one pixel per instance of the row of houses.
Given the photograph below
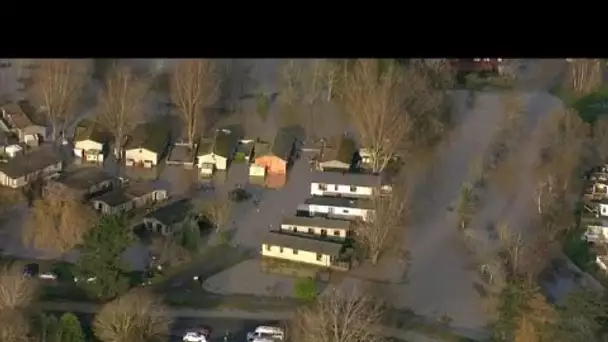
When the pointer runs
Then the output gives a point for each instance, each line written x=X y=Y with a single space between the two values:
x=594 y=215
x=320 y=232
x=110 y=195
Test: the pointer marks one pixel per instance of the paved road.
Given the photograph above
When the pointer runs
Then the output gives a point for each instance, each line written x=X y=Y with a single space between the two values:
x=236 y=321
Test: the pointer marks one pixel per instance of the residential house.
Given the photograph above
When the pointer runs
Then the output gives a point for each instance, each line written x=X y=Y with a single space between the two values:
x=596 y=228
x=316 y=227
x=206 y=169
x=345 y=184
x=167 y=219
x=276 y=157
x=305 y=250
x=336 y=207
x=44 y=161
x=476 y=65
x=222 y=150
x=88 y=181
x=90 y=141
x=596 y=207
x=20 y=119
x=182 y=154
x=133 y=196
x=339 y=155
x=146 y=145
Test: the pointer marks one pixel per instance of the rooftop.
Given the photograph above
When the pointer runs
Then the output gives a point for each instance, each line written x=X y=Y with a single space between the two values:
x=90 y=130
x=30 y=162
x=284 y=140
x=339 y=202
x=172 y=213
x=205 y=146
x=226 y=139
x=84 y=178
x=347 y=178
x=181 y=153
x=120 y=196
x=342 y=149
x=302 y=243
x=152 y=136
x=22 y=114
x=315 y=222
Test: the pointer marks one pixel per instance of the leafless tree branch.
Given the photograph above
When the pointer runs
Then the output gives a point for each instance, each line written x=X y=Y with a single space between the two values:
x=194 y=87
x=58 y=86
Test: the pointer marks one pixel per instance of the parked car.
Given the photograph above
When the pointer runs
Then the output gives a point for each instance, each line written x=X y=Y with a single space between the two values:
x=198 y=335
x=31 y=270
x=266 y=332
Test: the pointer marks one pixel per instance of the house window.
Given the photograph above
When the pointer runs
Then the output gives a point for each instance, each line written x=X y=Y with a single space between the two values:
x=323 y=232
x=311 y=231
x=319 y=257
x=323 y=187
x=294 y=228
x=345 y=211
x=280 y=249
x=336 y=187
x=268 y=247
x=295 y=251
x=336 y=232
x=353 y=188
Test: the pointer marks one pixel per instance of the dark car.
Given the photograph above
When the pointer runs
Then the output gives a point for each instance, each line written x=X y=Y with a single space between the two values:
x=239 y=195
x=31 y=270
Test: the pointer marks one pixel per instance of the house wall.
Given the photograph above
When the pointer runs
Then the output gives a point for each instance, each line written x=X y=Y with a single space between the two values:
x=256 y=170
x=334 y=164
x=141 y=155
x=155 y=196
x=35 y=129
x=156 y=226
x=108 y=184
x=287 y=253
x=316 y=231
x=321 y=189
x=335 y=211
x=220 y=162
x=603 y=209
x=88 y=145
x=273 y=164
x=106 y=209
x=12 y=183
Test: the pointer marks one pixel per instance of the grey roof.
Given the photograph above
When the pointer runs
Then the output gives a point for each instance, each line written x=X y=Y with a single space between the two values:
x=339 y=202
x=172 y=213
x=181 y=153
x=347 y=178
x=91 y=130
x=226 y=140
x=302 y=243
x=30 y=162
x=120 y=196
x=284 y=140
x=84 y=178
x=315 y=222
x=114 y=198
x=152 y=136
x=205 y=147
x=342 y=149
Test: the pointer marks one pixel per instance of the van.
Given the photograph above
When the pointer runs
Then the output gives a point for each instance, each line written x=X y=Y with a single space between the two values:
x=264 y=331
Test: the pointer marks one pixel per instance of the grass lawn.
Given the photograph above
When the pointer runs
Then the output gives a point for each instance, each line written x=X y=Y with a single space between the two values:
x=590 y=106
x=579 y=251
x=475 y=82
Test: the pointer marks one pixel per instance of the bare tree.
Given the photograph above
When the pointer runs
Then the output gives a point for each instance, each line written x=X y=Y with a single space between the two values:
x=16 y=290
x=235 y=79
x=58 y=85
x=58 y=220
x=14 y=327
x=374 y=103
x=194 y=87
x=121 y=103
x=564 y=139
x=383 y=228
x=339 y=316
x=291 y=88
x=600 y=140
x=170 y=252
x=219 y=211
x=584 y=76
x=138 y=316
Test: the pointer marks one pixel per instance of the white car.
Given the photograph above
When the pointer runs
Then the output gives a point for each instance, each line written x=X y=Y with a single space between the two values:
x=88 y=280
x=200 y=335
x=263 y=333
x=47 y=276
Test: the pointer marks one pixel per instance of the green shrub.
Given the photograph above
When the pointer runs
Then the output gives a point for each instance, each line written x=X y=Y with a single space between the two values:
x=306 y=289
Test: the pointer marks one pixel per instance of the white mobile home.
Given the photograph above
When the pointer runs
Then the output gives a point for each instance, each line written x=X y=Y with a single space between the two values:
x=336 y=207
x=345 y=184
x=316 y=226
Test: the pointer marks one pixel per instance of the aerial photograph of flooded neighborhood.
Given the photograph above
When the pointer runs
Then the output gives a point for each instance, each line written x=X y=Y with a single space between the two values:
x=303 y=200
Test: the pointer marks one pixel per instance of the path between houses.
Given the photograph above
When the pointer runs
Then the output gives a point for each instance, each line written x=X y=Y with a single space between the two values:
x=409 y=336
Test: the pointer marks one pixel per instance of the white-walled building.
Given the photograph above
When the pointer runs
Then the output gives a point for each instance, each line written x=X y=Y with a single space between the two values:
x=337 y=207
x=346 y=184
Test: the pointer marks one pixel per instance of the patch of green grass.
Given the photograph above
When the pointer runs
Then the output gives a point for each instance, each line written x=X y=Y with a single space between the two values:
x=589 y=106
x=306 y=289
x=579 y=251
